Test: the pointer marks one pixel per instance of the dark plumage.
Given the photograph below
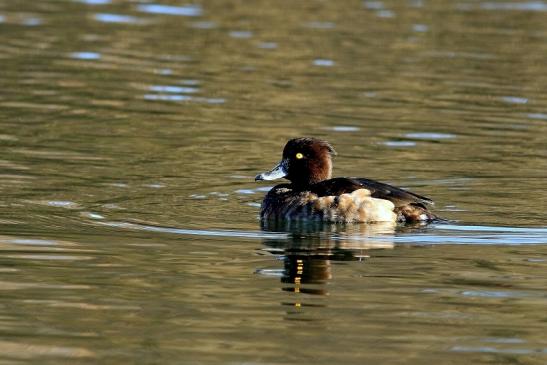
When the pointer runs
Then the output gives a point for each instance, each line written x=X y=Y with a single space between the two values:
x=313 y=195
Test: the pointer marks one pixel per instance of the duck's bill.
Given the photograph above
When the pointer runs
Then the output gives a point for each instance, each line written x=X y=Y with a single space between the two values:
x=277 y=172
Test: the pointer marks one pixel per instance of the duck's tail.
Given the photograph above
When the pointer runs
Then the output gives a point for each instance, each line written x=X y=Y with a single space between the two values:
x=412 y=213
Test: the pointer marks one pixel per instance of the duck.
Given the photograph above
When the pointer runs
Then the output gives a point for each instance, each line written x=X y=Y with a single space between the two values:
x=314 y=195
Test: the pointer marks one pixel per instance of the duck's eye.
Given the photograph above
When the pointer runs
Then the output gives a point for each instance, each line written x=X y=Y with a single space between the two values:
x=299 y=156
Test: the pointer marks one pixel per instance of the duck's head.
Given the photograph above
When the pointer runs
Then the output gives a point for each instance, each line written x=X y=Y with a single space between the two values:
x=305 y=161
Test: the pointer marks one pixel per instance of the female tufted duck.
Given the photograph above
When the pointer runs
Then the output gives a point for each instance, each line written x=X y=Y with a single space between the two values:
x=313 y=195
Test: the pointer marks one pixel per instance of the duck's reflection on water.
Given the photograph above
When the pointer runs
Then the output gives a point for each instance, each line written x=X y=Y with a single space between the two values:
x=312 y=247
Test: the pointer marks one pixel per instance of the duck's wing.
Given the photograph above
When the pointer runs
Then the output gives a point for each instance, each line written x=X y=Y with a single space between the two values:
x=399 y=197
x=393 y=193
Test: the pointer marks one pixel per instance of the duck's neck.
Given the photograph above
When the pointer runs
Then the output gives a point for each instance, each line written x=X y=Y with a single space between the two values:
x=320 y=170
x=306 y=184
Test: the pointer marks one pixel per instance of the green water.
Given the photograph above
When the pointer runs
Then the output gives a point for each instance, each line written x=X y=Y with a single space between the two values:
x=130 y=135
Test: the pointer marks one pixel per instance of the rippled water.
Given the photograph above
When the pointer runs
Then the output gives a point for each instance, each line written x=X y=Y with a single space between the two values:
x=131 y=132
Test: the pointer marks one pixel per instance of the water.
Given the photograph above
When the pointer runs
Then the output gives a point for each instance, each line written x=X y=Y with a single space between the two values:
x=131 y=133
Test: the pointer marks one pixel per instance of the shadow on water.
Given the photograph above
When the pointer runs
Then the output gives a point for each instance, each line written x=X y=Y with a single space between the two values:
x=311 y=247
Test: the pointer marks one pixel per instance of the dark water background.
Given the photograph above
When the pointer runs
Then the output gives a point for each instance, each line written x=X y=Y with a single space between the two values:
x=130 y=133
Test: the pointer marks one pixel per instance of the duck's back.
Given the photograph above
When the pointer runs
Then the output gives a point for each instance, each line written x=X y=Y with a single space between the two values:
x=408 y=206
x=285 y=202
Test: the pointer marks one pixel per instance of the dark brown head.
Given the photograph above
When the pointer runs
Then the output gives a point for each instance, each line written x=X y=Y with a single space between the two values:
x=305 y=161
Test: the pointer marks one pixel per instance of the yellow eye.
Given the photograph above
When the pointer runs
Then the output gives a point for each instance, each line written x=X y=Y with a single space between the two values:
x=299 y=156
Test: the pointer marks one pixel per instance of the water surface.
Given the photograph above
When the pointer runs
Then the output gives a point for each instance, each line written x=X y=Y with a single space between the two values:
x=131 y=133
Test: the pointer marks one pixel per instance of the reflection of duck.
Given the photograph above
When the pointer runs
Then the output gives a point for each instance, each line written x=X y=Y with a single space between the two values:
x=313 y=246
x=313 y=195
